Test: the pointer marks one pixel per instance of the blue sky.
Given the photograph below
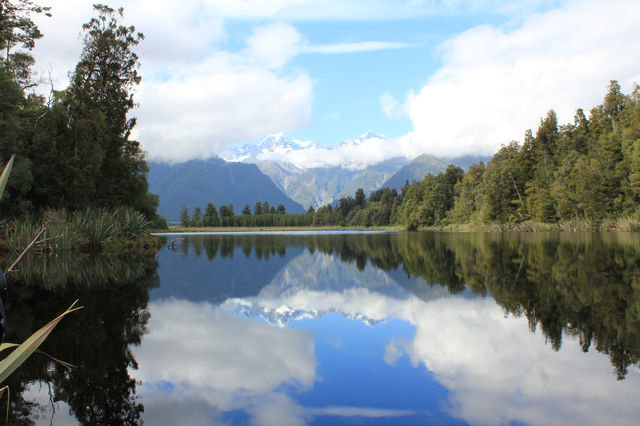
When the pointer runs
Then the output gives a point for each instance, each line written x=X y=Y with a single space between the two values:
x=440 y=77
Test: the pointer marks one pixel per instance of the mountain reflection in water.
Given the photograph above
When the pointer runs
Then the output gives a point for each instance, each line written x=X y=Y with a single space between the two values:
x=377 y=328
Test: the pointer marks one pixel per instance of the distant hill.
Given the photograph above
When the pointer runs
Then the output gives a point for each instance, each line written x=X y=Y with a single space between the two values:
x=424 y=164
x=199 y=182
x=416 y=170
x=322 y=185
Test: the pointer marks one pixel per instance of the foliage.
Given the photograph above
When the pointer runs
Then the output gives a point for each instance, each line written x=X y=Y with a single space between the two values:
x=23 y=351
x=584 y=172
x=379 y=210
x=73 y=150
x=17 y=30
x=427 y=202
x=82 y=229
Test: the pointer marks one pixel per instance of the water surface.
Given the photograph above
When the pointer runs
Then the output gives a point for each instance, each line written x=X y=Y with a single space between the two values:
x=339 y=328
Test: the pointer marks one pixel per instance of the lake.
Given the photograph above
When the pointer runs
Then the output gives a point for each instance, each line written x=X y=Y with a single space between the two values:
x=336 y=328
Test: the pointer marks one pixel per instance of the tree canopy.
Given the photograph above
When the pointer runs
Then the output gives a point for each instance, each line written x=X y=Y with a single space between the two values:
x=73 y=150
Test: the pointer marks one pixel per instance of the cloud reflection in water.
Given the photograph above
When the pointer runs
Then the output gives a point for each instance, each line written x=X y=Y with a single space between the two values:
x=216 y=362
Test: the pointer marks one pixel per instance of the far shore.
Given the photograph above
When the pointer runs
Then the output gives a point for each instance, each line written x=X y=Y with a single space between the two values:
x=183 y=229
x=619 y=225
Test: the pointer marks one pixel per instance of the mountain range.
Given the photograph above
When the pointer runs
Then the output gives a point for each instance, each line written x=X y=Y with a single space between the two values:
x=295 y=173
x=319 y=186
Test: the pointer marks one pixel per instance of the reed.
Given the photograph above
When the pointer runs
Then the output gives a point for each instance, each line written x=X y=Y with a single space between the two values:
x=89 y=229
x=24 y=350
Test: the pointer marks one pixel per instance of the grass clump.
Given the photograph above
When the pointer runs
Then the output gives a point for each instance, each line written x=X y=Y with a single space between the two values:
x=88 y=229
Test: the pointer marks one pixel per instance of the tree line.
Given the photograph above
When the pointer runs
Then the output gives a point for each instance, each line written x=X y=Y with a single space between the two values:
x=379 y=209
x=588 y=171
x=262 y=215
x=73 y=147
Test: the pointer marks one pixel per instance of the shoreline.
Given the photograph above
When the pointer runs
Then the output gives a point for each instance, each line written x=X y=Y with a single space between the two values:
x=267 y=229
x=617 y=225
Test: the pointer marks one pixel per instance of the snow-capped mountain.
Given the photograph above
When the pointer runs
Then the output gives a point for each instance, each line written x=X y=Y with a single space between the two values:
x=316 y=175
x=347 y=154
x=278 y=144
x=315 y=284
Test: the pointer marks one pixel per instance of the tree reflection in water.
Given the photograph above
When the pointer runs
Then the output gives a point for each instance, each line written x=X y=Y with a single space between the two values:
x=564 y=284
x=114 y=292
x=585 y=284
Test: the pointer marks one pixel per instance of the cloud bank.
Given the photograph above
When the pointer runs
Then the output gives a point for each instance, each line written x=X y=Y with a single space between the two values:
x=199 y=96
x=496 y=82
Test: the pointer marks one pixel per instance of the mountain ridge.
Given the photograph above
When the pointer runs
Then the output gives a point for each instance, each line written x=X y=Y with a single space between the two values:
x=198 y=182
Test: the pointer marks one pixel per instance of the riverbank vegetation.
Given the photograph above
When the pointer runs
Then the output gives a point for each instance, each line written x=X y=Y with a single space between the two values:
x=583 y=175
x=85 y=230
x=74 y=158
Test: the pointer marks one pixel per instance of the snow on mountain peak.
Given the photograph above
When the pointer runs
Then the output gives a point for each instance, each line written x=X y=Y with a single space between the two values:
x=278 y=144
x=353 y=154
x=371 y=135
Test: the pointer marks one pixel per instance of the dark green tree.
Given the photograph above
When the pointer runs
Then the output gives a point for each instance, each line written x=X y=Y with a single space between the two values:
x=185 y=220
x=196 y=219
x=18 y=35
x=99 y=99
x=257 y=210
x=360 y=197
x=210 y=215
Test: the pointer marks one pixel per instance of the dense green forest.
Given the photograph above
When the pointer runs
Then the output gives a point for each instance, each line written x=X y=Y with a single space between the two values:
x=73 y=148
x=585 y=174
x=589 y=169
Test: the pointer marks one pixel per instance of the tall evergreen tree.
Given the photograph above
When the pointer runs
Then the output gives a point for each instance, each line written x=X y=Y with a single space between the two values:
x=210 y=215
x=185 y=220
x=18 y=34
x=99 y=100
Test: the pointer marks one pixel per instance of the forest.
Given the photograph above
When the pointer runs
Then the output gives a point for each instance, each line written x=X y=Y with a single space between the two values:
x=580 y=175
x=72 y=147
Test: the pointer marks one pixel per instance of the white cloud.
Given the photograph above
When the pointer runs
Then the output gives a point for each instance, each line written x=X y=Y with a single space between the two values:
x=274 y=45
x=196 y=98
x=217 y=103
x=359 y=412
x=498 y=372
x=172 y=34
x=363 y=46
x=497 y=82
x=389 y=104
x=223 y=353
x=353 y=154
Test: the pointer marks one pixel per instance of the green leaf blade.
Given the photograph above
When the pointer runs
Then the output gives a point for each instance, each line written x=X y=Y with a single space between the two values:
x=5 y=175
x=29 y=346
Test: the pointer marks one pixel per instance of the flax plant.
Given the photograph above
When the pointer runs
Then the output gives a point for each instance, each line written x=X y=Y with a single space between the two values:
x=23 y=351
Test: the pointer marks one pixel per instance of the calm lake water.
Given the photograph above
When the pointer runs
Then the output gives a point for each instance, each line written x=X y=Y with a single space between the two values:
x=337 y=328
